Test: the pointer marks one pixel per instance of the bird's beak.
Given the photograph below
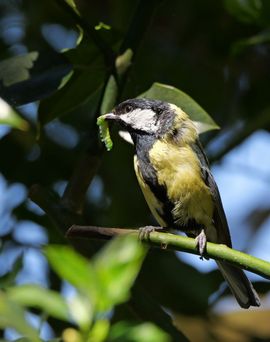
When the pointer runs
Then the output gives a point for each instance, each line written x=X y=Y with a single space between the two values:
x=110 y=116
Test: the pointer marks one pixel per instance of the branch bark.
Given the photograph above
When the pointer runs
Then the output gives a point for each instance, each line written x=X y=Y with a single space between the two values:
x=178 y=243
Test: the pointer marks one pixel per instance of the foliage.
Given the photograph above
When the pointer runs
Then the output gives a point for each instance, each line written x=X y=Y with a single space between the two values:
x=63 y=64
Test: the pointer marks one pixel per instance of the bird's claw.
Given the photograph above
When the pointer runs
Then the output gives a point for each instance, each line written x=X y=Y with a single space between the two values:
x=201 y=243
x=145 y=232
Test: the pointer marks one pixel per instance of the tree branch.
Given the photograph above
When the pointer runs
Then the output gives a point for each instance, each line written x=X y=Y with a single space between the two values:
x=179 y=243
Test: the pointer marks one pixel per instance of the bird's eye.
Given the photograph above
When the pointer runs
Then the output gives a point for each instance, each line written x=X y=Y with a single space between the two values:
x=128 y=108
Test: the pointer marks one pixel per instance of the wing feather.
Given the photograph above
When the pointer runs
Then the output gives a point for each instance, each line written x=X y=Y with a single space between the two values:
x=219 y=216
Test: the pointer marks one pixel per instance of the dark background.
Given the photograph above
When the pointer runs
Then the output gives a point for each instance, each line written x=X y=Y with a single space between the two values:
x=218 y=52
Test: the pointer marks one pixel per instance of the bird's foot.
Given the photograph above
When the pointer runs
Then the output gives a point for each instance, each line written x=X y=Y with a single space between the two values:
x=145 y=232
x=201 y=243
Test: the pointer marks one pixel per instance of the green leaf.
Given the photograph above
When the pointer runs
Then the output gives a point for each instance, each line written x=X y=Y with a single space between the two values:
x=82 y=311
x=123 y=62
x=12 y=316
x=8 y=116
x=146 y=332
x=77 y=91
x=117 y=267
x=99 y=331
x=72 y=4
x=173 y=95
x=35 y=296
x=260 y=38
x=33 y=76
x=74 y=268
x=103 y=26
x=247 y=11
x=110 y=96
x=16 y=69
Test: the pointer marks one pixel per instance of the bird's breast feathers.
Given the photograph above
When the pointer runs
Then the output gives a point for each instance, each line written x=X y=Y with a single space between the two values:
x=178 y=171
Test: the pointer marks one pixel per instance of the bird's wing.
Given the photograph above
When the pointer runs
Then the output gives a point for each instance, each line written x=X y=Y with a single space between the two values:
x=219 y=217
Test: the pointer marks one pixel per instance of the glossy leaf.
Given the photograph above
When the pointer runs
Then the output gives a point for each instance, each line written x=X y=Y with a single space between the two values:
x=8 y=116
x=117 y=266
x=173 y=95
x=12 y=316
x=46 y=300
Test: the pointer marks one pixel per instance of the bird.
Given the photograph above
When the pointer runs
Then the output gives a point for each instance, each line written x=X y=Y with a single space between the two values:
x=174 y=175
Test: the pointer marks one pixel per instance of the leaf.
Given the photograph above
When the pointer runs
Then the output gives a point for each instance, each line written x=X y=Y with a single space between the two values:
x=99 y=331
x=8 y=116
x=146 y=332
x=12 y=316
x=247 y=11
x=35 y=296
x=16 y=69
x=31 y=77
x=260 y=38
x=123 y=62
x=173 y=95
x=74 y=268
x=110 y=96
x=77 y=91
x=72 y=4
x=117 y=266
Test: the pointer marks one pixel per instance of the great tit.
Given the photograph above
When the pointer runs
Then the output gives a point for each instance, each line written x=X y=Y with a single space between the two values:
x=174 y=175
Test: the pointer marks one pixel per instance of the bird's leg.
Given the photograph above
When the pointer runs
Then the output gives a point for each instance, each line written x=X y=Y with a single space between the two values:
x=145 y=232
x=201 y=242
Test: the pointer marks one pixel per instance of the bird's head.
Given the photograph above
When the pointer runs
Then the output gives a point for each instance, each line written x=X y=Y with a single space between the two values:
x=150 y=117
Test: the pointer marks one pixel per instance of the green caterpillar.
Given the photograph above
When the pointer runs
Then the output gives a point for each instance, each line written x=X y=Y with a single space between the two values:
x=104 y=132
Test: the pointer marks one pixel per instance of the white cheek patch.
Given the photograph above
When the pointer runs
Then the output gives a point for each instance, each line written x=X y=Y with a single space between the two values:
x=141 y=119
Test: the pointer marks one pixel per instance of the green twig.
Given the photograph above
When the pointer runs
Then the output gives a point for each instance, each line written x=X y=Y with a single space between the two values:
x=180 y=243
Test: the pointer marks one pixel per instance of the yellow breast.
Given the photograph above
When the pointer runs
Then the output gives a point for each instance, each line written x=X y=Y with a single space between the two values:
x=178 y=169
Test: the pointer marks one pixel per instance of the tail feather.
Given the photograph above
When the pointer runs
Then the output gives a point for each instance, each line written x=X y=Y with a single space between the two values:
x=239 y=284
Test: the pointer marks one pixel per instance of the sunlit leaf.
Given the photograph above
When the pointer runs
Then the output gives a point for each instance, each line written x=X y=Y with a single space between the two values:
x=33 y=76
x=72 y=4
x=123 y=62
x=173 y=95
x=146 y=332
x=12 y=316
x=103 y=26
x=16 y=69
x=74 y=268
x=117 y=266
x=8 y=116
x=110 y=96
x=81 y=310
x=35 y=296
x=99 y=331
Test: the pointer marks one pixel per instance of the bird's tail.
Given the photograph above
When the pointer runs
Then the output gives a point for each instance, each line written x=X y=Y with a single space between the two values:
x=239 y=284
